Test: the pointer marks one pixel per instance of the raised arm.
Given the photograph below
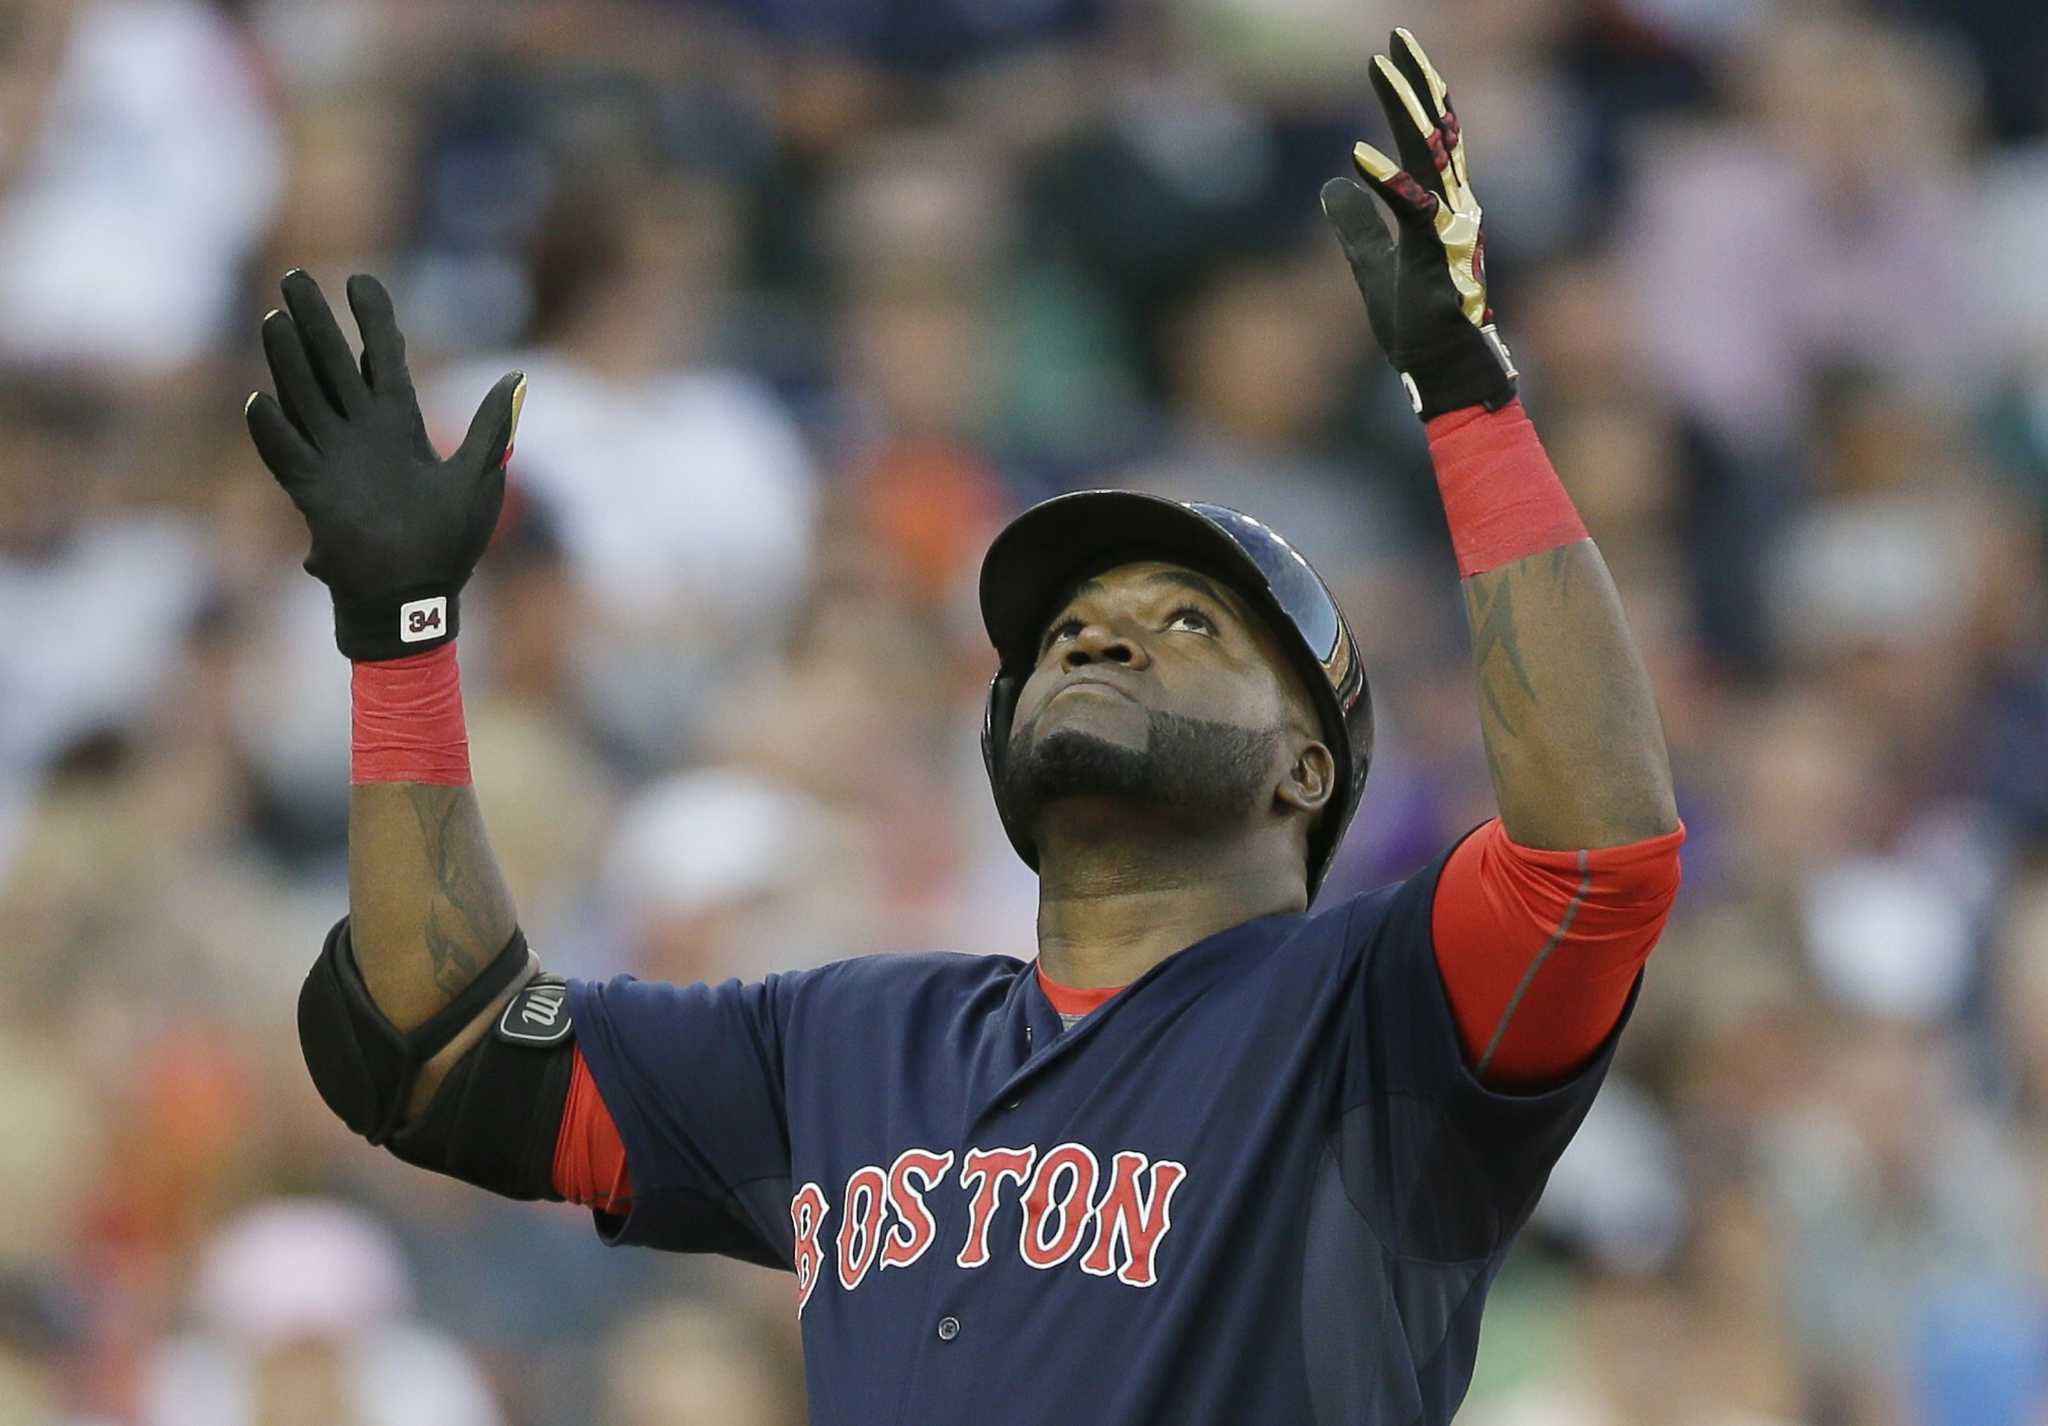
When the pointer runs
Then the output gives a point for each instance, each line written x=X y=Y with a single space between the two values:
x=428 y=910
x=409 y=983
x=1571 y=727
x=1542 y=921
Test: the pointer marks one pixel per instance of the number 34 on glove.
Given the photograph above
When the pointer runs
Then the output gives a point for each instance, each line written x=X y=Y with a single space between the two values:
x=1425 y=296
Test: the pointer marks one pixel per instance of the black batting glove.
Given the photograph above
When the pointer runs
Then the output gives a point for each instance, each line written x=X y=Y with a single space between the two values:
x=396 y=529
x=1426 y=296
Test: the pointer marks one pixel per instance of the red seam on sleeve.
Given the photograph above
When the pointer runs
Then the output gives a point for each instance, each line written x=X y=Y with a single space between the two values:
x=590 y=1157
x=407 y=723
x=1539 y=949
x=1502 y=498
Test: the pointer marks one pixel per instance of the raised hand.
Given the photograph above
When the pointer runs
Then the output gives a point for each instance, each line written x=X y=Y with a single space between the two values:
x=1425 y=297
x=396 y=530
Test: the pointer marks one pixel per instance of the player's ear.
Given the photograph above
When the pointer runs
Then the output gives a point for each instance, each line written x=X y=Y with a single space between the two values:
x=1311 y=778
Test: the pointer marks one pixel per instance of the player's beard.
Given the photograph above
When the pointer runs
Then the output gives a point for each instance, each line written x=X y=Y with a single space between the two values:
x=1196 y=768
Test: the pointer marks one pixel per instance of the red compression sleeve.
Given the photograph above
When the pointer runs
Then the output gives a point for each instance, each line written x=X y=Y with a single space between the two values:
x=1538 y=949
x=1502 y=497
x=407 y=721
x=590 y=1157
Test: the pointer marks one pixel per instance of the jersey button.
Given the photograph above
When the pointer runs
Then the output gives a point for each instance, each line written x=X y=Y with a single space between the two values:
x=949 y=1328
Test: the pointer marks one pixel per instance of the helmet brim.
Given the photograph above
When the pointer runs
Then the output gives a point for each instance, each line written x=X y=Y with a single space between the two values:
x=1046 y=551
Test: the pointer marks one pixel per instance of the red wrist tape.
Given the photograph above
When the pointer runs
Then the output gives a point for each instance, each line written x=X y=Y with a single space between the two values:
x=407 y=721
x=1501 y=495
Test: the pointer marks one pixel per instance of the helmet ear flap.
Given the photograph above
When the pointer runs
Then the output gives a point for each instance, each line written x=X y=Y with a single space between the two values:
x=996 y=720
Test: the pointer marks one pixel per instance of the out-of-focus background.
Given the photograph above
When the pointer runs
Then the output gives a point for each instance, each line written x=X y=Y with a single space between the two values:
x=812 y=295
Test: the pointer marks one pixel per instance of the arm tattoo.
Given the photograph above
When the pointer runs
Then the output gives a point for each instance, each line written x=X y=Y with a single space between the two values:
x=457 y=929
x=1494 y=632
x=1582 y=764
x=454 y=967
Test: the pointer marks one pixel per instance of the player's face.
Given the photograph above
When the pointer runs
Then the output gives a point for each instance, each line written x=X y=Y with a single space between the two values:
x=1155 y=684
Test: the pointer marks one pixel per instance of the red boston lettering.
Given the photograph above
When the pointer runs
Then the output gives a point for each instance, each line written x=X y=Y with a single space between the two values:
x=982 y=1173
x=887 y=1220
x=860 y=1226
x=807 y=1212
x=1063 y=1206
x=1136 y=1220
x=914 y=1172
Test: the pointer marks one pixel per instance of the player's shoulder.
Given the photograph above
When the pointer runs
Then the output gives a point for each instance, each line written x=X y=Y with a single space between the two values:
x=909 y=973
x=876 y=991
x=1398 y=910
x=895 y=992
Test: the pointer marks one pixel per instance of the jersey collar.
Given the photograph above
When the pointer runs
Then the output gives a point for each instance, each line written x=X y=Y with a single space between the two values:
x=1073 y=1000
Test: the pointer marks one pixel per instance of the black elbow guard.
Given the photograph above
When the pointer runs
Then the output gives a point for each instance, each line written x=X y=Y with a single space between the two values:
x=362 y=1064
x=495 y=1118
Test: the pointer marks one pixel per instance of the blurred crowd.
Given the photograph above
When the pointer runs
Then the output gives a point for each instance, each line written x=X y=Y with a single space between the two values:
x=812 y=295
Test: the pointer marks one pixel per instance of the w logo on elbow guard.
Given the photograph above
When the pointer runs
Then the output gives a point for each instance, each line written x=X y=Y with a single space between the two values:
x=537 y=1015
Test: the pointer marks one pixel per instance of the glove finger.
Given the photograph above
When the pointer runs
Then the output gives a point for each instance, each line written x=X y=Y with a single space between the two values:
x=333 y=363
x=1369 y=250
x=1414 y=206
x=489 y=443
x=1414 y=66
x=284 y=451
x=298 y=390
x=383 y=344
x=1360 y=232
x=1414 y=126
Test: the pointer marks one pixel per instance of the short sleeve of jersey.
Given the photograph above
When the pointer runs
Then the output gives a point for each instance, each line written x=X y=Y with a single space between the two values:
x=1447 y=1168
x=693 y=1077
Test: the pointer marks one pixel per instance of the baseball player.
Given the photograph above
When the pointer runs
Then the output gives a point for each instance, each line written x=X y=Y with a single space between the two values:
x=1215 y=1156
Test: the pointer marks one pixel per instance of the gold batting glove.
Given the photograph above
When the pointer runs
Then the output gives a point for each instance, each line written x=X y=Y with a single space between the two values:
x=1425 y=296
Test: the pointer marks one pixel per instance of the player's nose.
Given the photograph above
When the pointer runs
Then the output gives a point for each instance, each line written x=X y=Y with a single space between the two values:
x=1099 y=641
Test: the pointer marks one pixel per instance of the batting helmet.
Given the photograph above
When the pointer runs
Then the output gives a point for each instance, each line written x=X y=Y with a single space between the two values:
x=1043 y=553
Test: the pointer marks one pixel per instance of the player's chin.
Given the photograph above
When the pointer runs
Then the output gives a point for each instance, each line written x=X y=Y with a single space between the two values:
x=1072 y=760
x=1089 y=708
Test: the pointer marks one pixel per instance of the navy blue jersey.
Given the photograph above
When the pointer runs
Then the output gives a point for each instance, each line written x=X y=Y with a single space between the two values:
x=1258 y=1185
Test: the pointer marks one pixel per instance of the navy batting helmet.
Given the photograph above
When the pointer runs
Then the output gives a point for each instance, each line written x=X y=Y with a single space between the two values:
x=1043 y=553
